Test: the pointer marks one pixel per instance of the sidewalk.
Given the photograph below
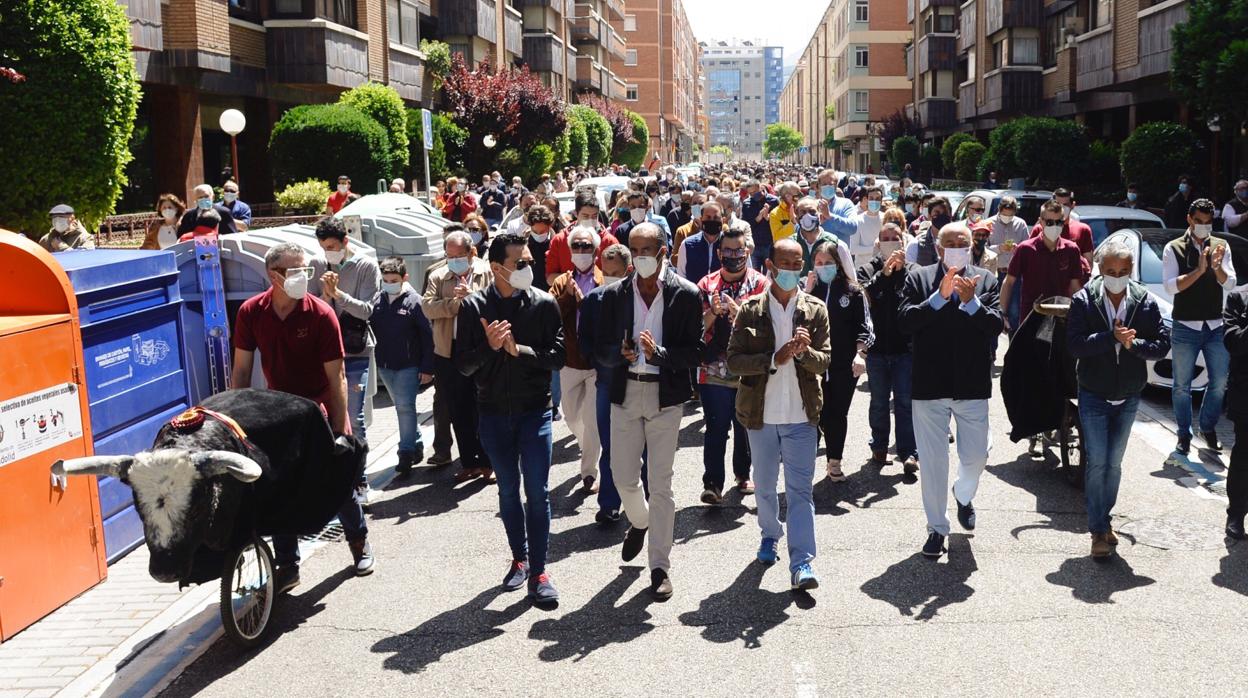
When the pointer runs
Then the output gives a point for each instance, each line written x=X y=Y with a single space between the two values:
x=126 y=635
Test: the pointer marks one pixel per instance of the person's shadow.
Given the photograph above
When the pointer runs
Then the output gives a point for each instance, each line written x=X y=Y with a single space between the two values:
x=1233 y=569
x=598 y=623
x=583 y=539
x=860 y=490
x=700 y=521
x=454 y=630
x=438 y=495
x=744 y=612
x=1061 y=504
x=1096 y=581
x=921 y=588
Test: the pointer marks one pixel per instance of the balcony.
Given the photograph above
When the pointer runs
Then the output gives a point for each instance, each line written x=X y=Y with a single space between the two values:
x=544 y=53
x=407 y=72
x=1060 y=83
x=588 y=74
x=314 y=52
x=589 y=27
x=937 y=112
x=966 y=26
x=615 y=8
x=1011 y=91
x=910 y=11
x=618 y=88
x=1000 y=14
x=468 y=18
x=145 y=30
x=936 y=52
x=1153 y=46
x=1095 y=67
x=967 y=109
x=924 y=5
x=615 y=45
x=513 y=31
x=570 y=63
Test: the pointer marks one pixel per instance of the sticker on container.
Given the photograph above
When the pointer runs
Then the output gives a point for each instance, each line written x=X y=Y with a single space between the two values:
x=37 y=421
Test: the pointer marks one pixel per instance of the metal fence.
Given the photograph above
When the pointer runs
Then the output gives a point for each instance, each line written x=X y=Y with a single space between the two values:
x=129 y=229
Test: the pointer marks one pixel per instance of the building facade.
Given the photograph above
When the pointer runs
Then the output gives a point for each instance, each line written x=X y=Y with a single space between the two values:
x=851 y=75
x=742 y=94
x=547 y=42
x=599 y=47
x=661 y=75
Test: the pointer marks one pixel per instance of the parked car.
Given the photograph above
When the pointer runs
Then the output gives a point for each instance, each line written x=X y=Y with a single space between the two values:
x=954 y=197
x=1149 y=245
x=1105 y=220
x=1029 y=202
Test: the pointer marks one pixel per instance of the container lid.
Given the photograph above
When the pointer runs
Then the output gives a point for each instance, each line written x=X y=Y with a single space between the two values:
x=90 y=270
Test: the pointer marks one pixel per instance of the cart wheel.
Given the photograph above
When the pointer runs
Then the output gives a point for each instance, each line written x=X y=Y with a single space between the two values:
x=247 y=592
x=1072 y=448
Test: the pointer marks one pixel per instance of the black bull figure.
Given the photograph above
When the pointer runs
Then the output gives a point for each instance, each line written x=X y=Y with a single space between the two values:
x=203 y=490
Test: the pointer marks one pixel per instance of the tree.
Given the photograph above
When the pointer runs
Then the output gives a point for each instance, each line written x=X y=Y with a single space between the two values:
x=781 y=140
x=578 y=142
x=437 y=60
x=722 y=150
x=635 y=154
x=1154 y=156
x=322 y=141
x=1104 y=175
x=949 y=151
x=829 y=140
x=438 y=154
x=906 y=151
x=598 y=133
x=1000 y=156
x=1048 y=150
x=966 y=160
x=67 y=108
x=1209 y=61
x=617 y=117
x=455 y=139
x=929 y=161
x=383 y=104
x=894 y=126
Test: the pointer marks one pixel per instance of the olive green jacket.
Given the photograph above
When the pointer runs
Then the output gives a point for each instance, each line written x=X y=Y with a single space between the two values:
x=753 y=343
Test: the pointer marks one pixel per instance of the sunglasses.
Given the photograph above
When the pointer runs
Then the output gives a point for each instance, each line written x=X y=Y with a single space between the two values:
x=1052 y=221
x=522 y=264
x=976 y=210
x=582 y=245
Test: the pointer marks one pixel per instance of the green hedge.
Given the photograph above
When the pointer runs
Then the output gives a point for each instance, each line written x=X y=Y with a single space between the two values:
x=578 y=144
x=64 y=130
x=322 y=141
x=598 y=132
x=966 y=160
x=1155 y=155
x=1050 y=151
x=455 y=138
x=949 y=152
x=929 y=161
x=384 y=105
x=906 y=149
x=634 y=154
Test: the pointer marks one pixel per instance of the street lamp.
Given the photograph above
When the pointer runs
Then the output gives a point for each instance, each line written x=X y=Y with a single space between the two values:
x=489 y=141
x=233 y=122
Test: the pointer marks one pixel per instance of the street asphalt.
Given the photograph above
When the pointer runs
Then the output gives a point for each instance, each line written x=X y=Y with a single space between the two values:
x=1016 y=608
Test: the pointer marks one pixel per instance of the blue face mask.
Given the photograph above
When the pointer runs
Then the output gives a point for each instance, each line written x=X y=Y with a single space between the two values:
x=1131 y=196
x=204 y=203
x=827 y=191
x=786 y=279
x=458 y=265
x=873 y=206
x=826 y=272
x=1183 y=187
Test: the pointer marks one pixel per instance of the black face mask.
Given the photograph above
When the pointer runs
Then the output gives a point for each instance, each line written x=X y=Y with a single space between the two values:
x=941 y=221
x=732 y=264
x=980 y=245
x=756 y=195
x=712 y=227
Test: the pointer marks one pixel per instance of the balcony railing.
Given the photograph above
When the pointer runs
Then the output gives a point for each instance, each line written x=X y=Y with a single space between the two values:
x=1154 y=45
x=617 y=87
x=544 y=53
x=924 y=5
x=407 y=73
x=315 y=54
x=513 y=31
x=1011 y=91
x=1061 y=83
x=936 y=52
x=910 y=10
x=588 y=74
x=587 y=27
x=999 y=14
x=145 y=30
x=967 y=109
x=966 y=27
x=937 y=112
x=468 y=18
x=1096 y=61
x=615 y=45
x=570 y=63
x=615 y=8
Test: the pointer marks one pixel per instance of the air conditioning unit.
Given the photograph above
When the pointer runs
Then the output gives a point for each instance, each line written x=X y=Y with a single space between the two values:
x=1075 y=25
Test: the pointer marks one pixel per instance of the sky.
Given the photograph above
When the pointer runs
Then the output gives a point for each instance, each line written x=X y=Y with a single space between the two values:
x=750 y=20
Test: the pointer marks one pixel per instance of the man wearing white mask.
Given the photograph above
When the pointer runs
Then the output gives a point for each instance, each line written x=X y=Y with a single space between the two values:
x=1046 y=265
x=238 y=209
x=66 y=233
x=867 y=223
x=809 y=234
x=650 y=329
x=950 y=311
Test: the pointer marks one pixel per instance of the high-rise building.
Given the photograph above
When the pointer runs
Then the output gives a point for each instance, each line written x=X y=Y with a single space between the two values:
x=660 y=74
x=548 y=50
x=599 y=47
x=743 y=83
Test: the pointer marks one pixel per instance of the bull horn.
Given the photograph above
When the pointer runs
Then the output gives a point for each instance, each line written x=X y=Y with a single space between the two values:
x=213 y=463
x=115 y=466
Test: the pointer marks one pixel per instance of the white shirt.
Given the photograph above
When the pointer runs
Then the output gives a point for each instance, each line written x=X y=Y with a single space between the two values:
x=1232 y=219
x=167 y=236
x=647 y=318
x=1170 y=281
x=862 y=242
x=782 y=403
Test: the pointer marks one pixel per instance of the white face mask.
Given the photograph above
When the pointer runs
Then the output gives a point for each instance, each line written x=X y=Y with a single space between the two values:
x=229 y=197
x=296 y=286
x=583 y=260
x=808 y=222
x=392 y=288
x=521 y=279
x=638 y=215
x=335 y=256
x=610 y=279
x=1052 y=232
x=646 y=266
x=540 y=237
x=343 y=188
x=60 y=225
x=888 y=247
x=476 y=237
x=169 y=213
x=957 y=257
x=1115 y=284
x=1202 y=230
x=1005 y=218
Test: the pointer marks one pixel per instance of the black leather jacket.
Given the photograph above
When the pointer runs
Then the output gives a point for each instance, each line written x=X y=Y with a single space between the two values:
x=509 y=384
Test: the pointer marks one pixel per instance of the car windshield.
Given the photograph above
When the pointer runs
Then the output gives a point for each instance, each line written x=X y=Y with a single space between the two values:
x=1104 y=227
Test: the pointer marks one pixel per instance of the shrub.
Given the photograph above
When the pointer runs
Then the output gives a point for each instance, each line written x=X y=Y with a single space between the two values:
x=384 y=105
x=437 y=60
x=1048 y=150
x=906 y=150
x=455 y=139
x=966 y=161
x=1000 y=155
x=597 y=131
x=1154 y=156
x=578 y=143
x=304 y=198
x=949 y=152
x=635 y=154
x=1104 y=176
x=65 y=129
x=322 y=141
x=929 y=161
x=560 y=148
x=537 y=161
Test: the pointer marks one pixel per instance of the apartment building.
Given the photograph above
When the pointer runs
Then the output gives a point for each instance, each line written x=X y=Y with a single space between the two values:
x=660 y=73
x=599 y=47
x=743 y=80
x=547 y=42
x=855 y=64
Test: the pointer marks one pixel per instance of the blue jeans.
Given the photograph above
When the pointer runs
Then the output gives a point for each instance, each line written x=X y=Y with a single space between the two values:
x=519 y=447
x=404 y=385
x=1185 y=343
x=608 y=495
x=888 y=376
x=556 y=389
x=1106 y=429
x=350 y=515
x=794 y=445
x=356 y=368
x=719 y=405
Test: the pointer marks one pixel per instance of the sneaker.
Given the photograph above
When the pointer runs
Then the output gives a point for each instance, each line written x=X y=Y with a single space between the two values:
x=745 y=486
x=804 y=578
x=406 y=461
x=1101 y=546
x=660 y=585
x=516 y=575
x=880 y=457
x=634 y=540
x=1034 y=446
x=966 y=513
x=440 y=459
x=364 y=494
x=767 y=551
x=1185 y=445
x=935 y=546
x=1211 y=440
x=1235 y=527
x=911 y=466
x=285 y=578
x=1111 y=537
x=542 y=591
x=711 y=496
x=362 y=553
x=587 y=482
x=607 y=516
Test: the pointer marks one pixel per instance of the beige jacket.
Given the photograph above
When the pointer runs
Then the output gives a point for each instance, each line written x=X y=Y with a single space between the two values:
x=441 y=306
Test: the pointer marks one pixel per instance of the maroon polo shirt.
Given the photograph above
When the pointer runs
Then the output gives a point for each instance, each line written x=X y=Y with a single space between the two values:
x=1075 y=231
x=1045 y=273
x=293 y=352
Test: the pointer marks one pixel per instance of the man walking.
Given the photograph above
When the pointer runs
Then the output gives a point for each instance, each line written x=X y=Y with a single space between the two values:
x=780 y=341
x=650 y=329
x=509 y=339
x=950 y=311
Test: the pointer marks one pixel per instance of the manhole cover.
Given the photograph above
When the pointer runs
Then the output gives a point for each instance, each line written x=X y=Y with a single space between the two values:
x=1175 y=534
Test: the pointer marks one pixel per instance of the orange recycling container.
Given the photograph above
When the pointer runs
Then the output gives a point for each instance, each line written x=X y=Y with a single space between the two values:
x=51 y=546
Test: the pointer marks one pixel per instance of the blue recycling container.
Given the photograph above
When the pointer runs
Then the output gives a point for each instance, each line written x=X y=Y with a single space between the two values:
x=133 y=344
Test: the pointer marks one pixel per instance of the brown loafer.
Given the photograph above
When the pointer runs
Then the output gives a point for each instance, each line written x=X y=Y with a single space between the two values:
x=1101 y=546
x=1111 y=537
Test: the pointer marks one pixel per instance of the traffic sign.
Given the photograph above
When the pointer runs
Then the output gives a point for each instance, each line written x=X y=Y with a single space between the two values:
x=426 y=120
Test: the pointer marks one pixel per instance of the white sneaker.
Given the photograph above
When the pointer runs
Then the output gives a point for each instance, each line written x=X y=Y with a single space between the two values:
x=365 y=494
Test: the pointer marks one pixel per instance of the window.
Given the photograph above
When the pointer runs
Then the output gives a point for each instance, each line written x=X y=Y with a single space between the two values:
x=630 y=57
x=245 y=9
x=1101 y=13
x=1026 y=50
x=861 y=101
x=946 y=22
x=630 y=93
x=630 y=23
x=998 y=54
x=337 y=11
x=403 y=22
x=287 y=7
x=862 y=12
x=860 y=57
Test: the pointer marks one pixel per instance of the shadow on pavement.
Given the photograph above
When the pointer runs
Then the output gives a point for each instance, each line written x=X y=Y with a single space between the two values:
x=920 y=587
x=583 y=539
x=744 y=612
x=1061 y=504
x=1233 y=569
x=449 y=632
x=861 y=489
x=566 y=498
x=439 y=495
x=598 y=623
x=697 y=522
x=1096 y=581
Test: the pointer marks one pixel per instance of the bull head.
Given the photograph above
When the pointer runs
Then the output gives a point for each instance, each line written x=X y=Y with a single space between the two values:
x=209 y=464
